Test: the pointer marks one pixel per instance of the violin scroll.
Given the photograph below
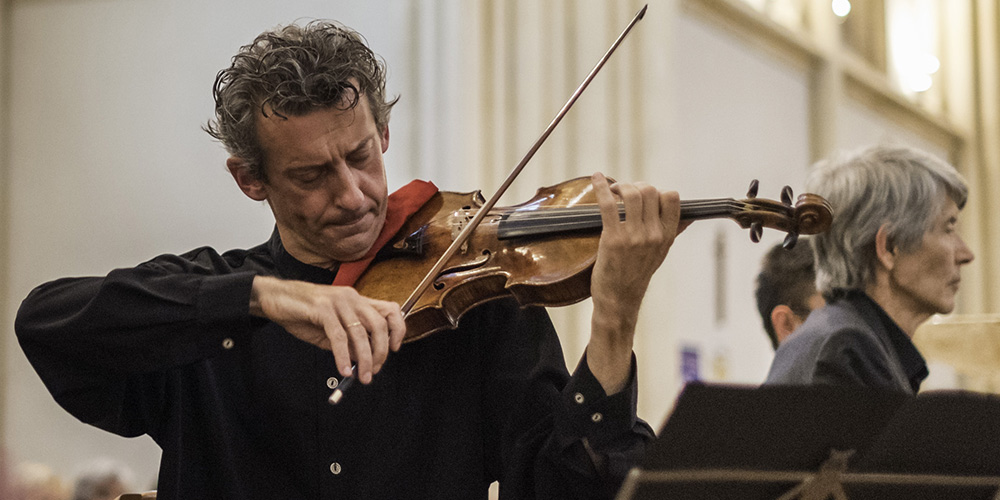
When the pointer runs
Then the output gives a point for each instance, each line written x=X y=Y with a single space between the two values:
x=811 y=214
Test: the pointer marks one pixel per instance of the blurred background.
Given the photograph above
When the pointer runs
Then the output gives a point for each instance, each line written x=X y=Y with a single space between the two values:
x=103 y=162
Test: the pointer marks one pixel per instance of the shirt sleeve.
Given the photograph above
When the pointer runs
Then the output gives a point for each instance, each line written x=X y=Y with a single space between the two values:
x=606 y=427
x=561 y=435
x=99 y=342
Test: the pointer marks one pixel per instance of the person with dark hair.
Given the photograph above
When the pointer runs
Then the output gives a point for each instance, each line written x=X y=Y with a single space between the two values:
x=890 y=260
x=786 y=290
x=226 y=360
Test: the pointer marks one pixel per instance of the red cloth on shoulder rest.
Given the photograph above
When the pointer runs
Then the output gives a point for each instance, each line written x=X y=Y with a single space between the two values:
x=402 y=204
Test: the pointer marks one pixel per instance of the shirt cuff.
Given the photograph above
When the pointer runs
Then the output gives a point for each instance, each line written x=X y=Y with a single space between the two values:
x=595 y=415
x=224 y=306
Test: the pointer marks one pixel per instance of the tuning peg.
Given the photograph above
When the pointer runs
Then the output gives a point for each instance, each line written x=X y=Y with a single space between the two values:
x=790 y=240
x=756 y=230
x=752 y=192
x=786 y=195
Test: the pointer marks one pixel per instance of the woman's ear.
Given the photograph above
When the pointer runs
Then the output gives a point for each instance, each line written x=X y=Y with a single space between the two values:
x=885 y=251
x=248 y=183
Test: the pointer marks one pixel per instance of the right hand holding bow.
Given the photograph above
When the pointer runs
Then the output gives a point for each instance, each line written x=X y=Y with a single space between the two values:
x=355 y=328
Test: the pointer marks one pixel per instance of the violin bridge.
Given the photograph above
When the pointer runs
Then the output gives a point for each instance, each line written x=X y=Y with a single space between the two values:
x=457 y=221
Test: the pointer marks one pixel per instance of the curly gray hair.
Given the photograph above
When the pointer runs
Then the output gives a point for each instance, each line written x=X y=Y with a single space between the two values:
x=899 y=186
x=293 y=70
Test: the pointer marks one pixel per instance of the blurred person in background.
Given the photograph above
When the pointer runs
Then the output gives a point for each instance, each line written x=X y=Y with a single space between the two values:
x=37 y=481
x=102 y=479
x=786 y=290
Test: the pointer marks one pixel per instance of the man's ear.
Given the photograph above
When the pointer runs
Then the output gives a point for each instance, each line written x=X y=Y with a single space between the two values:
x=784 y=321
x=250 y=185
x=385 y=138
x=885 y=251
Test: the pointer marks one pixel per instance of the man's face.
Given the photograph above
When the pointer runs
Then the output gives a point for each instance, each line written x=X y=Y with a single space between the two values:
x=927 y=278
x=326 y=182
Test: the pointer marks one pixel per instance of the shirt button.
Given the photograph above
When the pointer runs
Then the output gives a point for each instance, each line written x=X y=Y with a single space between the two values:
x=597 y=417
x=335 y=468
x=228 y=343
x=332 y=382
x=578 y=398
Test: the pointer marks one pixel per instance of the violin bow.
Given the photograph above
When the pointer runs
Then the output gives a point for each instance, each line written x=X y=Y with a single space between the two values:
x=474 y=223
x=471 y=226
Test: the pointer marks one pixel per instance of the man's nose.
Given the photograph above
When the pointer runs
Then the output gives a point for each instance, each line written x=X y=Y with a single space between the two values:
x=346 y=189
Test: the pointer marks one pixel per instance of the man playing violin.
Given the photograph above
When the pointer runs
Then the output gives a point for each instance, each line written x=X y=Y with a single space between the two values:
x=226 y=360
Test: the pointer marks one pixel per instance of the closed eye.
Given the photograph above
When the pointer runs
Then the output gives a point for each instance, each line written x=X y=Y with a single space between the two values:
x=355 y=159
x=361 y=153
x=307 y=175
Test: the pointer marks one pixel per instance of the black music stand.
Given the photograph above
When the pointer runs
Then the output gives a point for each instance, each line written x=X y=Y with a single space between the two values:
x=819 y=442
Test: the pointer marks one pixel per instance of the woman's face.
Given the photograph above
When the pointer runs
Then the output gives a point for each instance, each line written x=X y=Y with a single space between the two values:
x=927 y=278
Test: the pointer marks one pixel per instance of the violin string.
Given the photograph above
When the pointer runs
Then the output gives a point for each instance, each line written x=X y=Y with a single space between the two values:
x=543 y=214
x=563 y=218
x=593 y=218
x=591 y=206
x=561 y=210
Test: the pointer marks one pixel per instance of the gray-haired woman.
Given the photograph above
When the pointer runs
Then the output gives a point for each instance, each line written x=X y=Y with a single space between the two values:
x=889 y=262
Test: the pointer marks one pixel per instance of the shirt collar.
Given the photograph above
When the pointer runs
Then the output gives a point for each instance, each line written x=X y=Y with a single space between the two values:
x=912 y=361
x=291 y=268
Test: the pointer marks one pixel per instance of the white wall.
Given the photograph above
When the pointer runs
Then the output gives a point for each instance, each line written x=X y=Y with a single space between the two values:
x=860 y=126
x=736 y=115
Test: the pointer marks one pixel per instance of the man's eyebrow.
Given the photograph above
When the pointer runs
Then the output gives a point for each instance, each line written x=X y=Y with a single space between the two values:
x=364 y=144
x=361 y=146
x=302 y=168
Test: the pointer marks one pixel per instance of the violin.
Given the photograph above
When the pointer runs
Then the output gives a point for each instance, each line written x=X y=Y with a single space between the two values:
x=540 y=252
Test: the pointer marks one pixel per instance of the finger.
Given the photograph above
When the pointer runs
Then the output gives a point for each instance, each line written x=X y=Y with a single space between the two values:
x=605 y=200
x=323 y=342
x=670 y=211
x=337 y=338
x=378 y=336
x=651 y=206
x=360 y=347
x=394 y=321
x=632 y=198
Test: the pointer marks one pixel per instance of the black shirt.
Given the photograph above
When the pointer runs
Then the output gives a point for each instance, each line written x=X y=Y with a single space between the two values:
x=238 y=405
